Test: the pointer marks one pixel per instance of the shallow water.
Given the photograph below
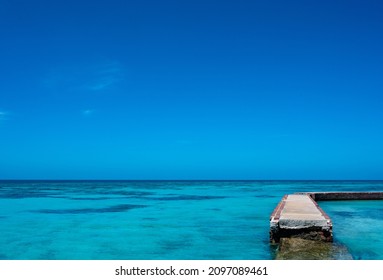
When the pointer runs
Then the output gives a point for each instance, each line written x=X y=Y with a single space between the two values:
x=359 y=225
x=167 y=219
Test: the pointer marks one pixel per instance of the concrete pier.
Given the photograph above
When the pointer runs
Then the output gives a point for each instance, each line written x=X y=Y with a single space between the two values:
x=299 y=215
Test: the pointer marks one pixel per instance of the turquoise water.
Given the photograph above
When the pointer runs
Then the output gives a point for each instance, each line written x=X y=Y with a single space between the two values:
x=167 y=219
x=359 y=225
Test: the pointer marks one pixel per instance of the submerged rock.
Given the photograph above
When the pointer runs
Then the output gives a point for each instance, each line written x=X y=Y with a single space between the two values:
x=303 y=249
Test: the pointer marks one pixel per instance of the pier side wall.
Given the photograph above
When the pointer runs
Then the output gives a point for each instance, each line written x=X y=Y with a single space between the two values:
x=322 y=196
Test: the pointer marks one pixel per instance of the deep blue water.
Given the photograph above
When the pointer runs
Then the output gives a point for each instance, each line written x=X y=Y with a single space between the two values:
x=168 y=219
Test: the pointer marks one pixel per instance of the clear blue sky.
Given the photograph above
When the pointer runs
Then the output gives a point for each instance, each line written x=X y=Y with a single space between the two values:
x=191 y=89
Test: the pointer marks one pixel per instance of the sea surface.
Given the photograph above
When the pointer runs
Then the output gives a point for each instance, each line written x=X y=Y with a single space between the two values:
x=150 y=220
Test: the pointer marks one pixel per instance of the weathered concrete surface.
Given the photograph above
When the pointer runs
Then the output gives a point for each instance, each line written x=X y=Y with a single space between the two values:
x=303 y=249
x=299 y=215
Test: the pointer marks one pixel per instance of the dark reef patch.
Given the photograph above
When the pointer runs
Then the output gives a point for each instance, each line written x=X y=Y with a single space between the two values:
x=25 y=194
x=187 y=197
x=265 y=196
x=171 y=245
x=111 y=209
x=345 y=214
x=90 y=198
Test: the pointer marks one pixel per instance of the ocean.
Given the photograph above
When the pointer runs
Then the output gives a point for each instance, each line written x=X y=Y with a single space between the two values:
x=167 y=220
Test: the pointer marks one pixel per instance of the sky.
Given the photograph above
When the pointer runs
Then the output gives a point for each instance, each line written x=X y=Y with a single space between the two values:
x=140 y=89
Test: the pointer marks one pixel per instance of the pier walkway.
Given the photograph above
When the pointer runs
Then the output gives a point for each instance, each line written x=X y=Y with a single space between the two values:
x=299 y=214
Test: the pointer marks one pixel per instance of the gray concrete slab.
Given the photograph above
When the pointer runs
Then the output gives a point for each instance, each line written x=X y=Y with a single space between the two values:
x=301 y=211
x=299 y=214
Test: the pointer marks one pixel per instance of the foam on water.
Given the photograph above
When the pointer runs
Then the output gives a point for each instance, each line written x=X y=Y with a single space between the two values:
x=165 y=219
